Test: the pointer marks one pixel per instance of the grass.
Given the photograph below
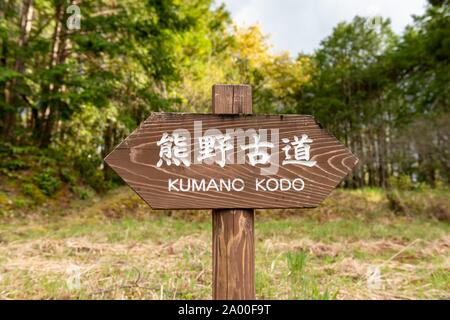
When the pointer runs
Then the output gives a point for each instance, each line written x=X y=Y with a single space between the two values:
x=354 y=246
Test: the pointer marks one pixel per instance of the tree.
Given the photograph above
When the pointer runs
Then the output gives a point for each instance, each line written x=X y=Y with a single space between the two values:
x=349 y=93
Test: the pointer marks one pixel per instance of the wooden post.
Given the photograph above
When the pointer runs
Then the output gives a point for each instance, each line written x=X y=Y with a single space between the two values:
x=233 y=229
x=155 y=170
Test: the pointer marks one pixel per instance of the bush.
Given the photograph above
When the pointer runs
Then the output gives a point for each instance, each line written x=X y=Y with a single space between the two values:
x=68 y=176
x=403 y=182
x=431 y=204
x=15 y=157
x=21 y=202
x=395 y=202
x=30 y=190
x=84 y=193
x=4 y=199
x=14 y=164
x=47 y=181
x=88 y=168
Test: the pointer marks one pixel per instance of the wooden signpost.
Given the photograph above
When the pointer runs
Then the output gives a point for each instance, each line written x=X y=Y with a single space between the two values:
x=232 y=162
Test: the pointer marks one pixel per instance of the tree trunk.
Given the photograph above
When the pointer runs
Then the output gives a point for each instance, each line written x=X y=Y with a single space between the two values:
x=11 y=94
x=4 y=54
x=382 y=157
x=57 y=57
x=108 y=142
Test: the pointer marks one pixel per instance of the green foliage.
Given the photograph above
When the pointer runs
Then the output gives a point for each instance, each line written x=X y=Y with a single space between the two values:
x=14 y=164
x=62 y=112
x=21 y=202
x=68 y=176
x=303 y=284
x=88 y=168
x=32 y=191
x=403 y=182
x=12 y=157
x=428 y=203
x=84 y=193
x=4 y=199
x=48 y=181
x=296 y=263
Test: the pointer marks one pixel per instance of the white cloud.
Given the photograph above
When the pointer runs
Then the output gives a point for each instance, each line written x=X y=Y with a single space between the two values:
x=300 y=25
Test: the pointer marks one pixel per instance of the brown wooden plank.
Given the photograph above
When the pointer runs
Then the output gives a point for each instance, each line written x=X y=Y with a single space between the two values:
x=136 y=161
x=136 y=157
x=222 y=98
x=233 y=229
x=233 y=254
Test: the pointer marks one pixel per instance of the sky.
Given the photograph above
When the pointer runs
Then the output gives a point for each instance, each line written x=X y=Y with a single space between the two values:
x=299 y=25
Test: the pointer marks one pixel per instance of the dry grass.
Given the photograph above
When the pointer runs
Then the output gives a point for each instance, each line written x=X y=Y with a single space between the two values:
x=112 y=248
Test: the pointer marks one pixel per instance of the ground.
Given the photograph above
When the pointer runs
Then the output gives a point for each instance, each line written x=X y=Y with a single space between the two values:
x=357 y=245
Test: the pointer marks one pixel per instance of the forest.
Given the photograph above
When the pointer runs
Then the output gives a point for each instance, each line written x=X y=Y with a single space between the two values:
x=77 y=77
x=69 y=95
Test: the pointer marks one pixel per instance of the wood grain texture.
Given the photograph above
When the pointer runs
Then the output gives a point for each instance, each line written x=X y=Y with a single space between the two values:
x=233 y=254
x=136 y=157
x=233 y=229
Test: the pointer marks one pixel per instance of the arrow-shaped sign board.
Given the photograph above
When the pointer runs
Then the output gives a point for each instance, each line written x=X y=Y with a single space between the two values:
x=193 y=161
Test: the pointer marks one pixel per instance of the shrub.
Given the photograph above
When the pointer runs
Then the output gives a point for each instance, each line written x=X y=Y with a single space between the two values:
x=84 y=193
x=402 y=182
x=20 y=202
x=14 y=164
x=4 y=199
x=68 y=176
x=432 y=204
x=47 y=181
x=395 y=201
x=30 y=190
x=88 y=168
